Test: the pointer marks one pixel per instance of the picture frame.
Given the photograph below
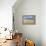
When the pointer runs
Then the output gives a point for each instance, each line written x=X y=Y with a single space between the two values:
x=28 y=19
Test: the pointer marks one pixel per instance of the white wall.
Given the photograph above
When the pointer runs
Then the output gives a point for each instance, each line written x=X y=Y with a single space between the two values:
x=29 y=7
x=43 y=22
x=40 y=11
x=6 y=13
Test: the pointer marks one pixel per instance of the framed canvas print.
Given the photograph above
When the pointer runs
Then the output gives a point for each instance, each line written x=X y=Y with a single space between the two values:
x=28 y=19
